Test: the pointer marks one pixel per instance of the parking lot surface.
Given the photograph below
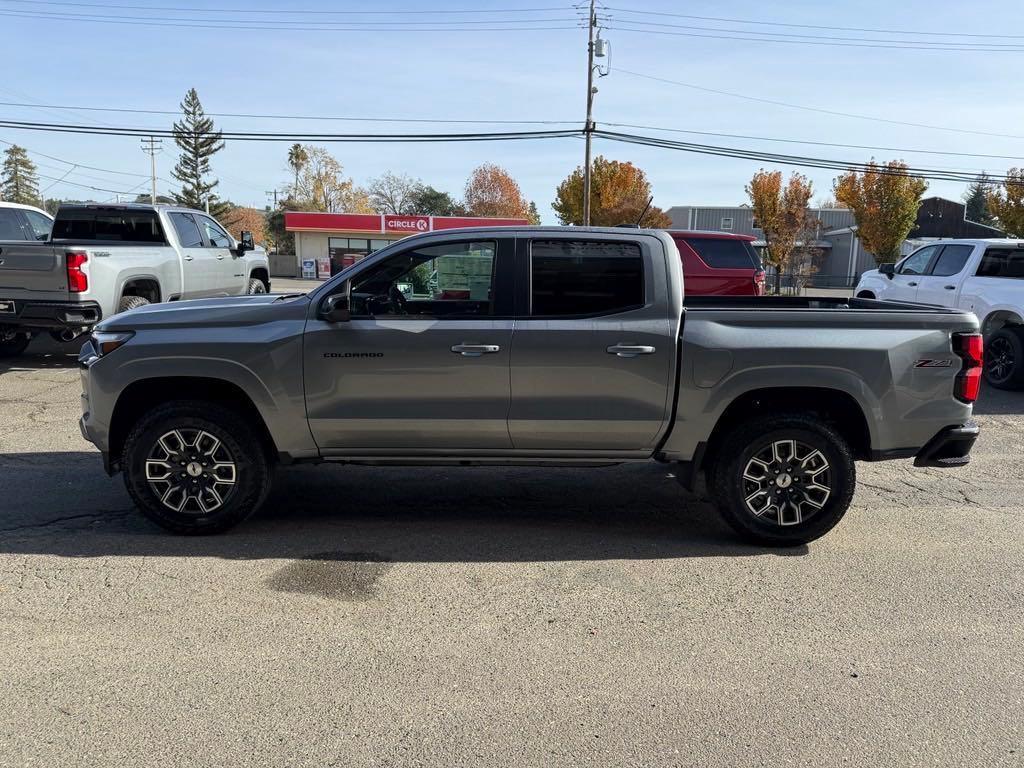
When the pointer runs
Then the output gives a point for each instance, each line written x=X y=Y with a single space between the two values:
x=478 y=616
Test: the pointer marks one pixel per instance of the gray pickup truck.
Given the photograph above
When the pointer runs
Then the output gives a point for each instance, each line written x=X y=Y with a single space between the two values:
x=533 y=345
x=99 y=260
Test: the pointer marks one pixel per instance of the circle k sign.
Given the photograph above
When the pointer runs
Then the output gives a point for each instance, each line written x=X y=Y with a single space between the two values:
x=394 y=223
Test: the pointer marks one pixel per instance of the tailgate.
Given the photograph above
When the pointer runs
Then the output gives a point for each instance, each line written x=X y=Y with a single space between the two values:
x=32 y=271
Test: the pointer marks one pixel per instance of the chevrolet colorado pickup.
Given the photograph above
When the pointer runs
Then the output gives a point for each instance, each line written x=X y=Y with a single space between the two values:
x=102 y=259
x=532 y=345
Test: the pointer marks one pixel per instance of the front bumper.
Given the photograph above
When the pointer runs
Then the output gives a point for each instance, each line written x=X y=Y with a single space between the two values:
x=950 y=448
x=52 y=315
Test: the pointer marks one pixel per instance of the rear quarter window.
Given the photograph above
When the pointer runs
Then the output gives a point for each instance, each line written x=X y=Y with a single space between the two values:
x=720 y=253
x=10 y=225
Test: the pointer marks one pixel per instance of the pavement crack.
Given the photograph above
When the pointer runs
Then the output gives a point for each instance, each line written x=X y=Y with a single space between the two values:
x=101 y=515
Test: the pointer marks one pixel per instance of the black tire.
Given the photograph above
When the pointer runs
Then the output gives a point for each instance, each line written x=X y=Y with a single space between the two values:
x=15 y=345
x=239 y=445
x=865 y=295
x=256 y=286
x=791 y=523
x=131 y=302
x=1004 y=358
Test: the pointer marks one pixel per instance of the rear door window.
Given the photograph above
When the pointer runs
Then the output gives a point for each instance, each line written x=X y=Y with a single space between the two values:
x=719 y=253
x=1002 y=262
x=41 y=225
x=108 y=225
x=579 y=277
x=188 y=231
x=10 y=225
x=951 y=261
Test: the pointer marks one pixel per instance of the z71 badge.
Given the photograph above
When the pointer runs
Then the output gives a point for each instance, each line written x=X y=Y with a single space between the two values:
x=933 y=364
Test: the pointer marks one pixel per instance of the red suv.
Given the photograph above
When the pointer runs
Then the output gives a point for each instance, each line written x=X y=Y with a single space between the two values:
x=719 y=263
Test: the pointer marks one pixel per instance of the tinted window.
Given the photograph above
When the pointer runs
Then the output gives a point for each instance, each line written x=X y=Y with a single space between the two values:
x=917 y=262
x=10 y=225
x=108 y=225
x=951 y=260
x=41 y=225
x=724 y=254
x=188 y=232
x=1002 y=262
x=571 y=277
x=443 y=281
x=214 y=233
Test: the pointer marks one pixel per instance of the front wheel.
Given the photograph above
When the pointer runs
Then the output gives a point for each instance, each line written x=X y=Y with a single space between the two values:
x=1004 y=358
x=783 y=480
x=194 y=467
x=256 y=286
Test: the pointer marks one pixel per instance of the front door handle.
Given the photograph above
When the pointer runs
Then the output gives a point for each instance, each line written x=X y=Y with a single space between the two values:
x=475 y=350
x=912 y=285
x=220 y=258
x=629 y=350
x=950 y=287
x=188 y=258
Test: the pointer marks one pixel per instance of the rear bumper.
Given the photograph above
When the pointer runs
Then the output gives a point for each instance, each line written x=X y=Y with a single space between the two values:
x=52 y=315
x=950 y=448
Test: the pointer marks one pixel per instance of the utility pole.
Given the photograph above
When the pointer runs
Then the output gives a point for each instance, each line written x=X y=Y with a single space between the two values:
x=274 y=193
x=588 y=128
x=151 y=146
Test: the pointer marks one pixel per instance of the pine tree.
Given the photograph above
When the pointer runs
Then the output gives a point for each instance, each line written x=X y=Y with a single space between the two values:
x=976 y=199
x=18 y=180
x=198 y=141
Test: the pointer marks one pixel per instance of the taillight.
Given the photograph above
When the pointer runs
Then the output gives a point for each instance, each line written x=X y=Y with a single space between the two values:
x=970 y=348
x=78 y=278
x=759 y=282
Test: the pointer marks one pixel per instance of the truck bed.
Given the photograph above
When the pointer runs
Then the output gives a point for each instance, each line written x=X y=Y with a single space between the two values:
x=762 y=303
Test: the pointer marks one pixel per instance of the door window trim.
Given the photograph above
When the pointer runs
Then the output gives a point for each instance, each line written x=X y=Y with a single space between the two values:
x=938 y=255
x=207 y=242
x=527 y=308
x=190 y=217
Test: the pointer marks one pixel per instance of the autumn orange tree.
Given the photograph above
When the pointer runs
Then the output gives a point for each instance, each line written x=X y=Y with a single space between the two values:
x=783 y=215
x=884 y=200
x=241 y=219
x=491 y=191
x=1007 y=203
x=619 y=192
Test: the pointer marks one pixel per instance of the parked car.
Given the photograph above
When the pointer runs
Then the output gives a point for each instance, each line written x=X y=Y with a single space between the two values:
x=24 y=222
x=531 y=345
x=719 y=263
x=983 y=276
x=99 y=260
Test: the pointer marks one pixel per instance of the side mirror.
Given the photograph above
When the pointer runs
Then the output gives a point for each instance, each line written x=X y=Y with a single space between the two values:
x=335 y=309
x=887 y=269
x=246 y=243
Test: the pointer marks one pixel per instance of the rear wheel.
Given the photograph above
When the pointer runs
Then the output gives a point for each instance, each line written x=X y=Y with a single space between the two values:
x=256 y=286
x=14 y=345
x=1004 y=358
x=192 y=467
x=131 y=302
x=783 y=480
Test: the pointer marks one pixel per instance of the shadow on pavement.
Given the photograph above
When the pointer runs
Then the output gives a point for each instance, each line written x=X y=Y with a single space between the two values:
x=44 y=353
x=995 y=402
x=63 y=504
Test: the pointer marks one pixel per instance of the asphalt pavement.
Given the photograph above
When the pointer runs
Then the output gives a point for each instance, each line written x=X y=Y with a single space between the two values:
x=479 y=616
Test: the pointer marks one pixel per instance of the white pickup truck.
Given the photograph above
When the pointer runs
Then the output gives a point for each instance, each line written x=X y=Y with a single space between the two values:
x=103 y=259
x=985 y=277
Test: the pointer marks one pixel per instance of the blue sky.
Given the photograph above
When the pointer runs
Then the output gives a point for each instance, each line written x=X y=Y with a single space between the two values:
x=515 y=75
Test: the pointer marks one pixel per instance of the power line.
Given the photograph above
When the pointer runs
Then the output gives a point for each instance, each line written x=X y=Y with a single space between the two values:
x=919 y=47
x=269 y=26
x=815 y=26
x=76 y=165
x=294 y=11
x=177 y=113
x=817 y=109
x=89 y=186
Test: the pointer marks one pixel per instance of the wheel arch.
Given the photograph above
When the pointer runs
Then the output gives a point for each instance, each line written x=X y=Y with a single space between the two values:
x=262 y=274
x=1000 y=318
x=144 y=286
x=144 y=394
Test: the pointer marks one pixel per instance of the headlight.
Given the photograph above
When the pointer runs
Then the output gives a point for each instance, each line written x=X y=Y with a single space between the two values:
x=105 y=342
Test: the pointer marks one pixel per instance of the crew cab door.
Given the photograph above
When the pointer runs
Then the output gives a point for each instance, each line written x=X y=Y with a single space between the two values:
x=422 y=364
x=228 y=270
x=942 y=283
x=197 y=261
x=907 y=278
x=593 y=351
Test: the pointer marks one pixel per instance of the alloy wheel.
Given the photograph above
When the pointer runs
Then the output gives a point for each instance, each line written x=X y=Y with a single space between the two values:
x=786 y=482
x=999 y=359
x=192 y=471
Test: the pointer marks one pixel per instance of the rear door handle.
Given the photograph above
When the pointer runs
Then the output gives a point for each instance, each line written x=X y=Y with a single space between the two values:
x=950 y=287
x=475 y=350
x=912 y=285
x=629 y=350
x=187 y=258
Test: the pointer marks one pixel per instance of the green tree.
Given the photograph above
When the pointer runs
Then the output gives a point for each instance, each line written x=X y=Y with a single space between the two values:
x=19 y=182
x=1007 y=204
x=198 y=141
x=428 y=201
x=533 y=214
x=976 y=200
x=298 y=156
x=884 y=200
